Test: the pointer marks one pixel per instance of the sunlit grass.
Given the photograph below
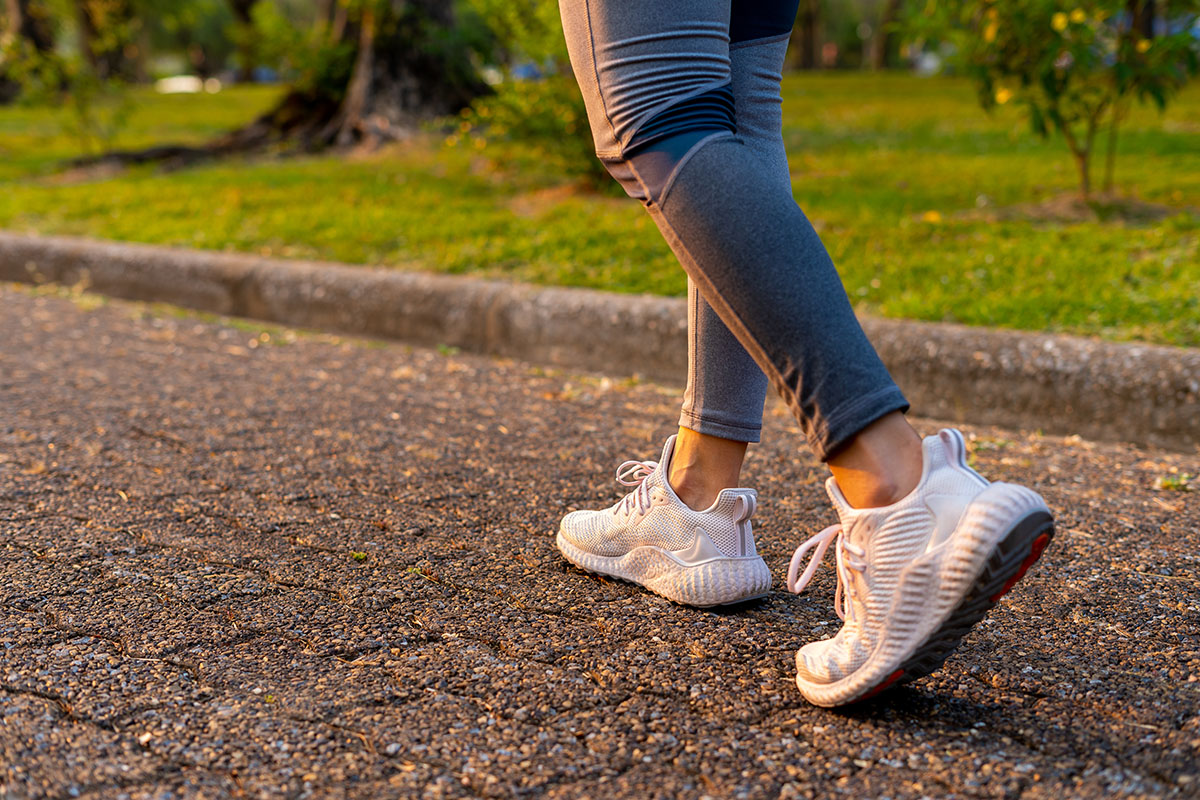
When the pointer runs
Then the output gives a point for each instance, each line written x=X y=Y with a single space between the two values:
x=902 y=176
x=36 y=141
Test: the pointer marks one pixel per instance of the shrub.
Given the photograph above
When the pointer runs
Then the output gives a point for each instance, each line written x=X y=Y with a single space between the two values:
x=546 y=117
x=91 y=80
x=537 y=103
x=1074 y=69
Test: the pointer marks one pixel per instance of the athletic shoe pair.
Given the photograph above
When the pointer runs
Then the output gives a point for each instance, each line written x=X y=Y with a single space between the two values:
x=913 y=577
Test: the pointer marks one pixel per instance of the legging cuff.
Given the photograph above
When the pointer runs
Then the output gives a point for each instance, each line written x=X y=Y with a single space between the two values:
x=846 y=421
x=710 y=427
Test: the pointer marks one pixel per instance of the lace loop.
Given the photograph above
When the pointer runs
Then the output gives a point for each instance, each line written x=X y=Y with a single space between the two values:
x=848 y=559
x=634 y=473
x=821 y=541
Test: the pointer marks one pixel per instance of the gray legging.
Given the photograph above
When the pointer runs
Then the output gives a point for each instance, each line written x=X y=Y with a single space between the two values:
x=683 y=102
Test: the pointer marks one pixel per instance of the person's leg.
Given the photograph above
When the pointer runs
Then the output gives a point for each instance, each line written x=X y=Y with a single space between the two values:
x=725 y=391
x=703 y=465
x=723 y=402
x=656 y=81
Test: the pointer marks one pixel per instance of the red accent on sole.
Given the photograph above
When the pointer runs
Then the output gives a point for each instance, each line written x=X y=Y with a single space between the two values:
x=1035 y=552
x=895 y=676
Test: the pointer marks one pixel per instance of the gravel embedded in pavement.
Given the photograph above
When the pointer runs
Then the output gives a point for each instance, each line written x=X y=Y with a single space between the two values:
x=239 y=560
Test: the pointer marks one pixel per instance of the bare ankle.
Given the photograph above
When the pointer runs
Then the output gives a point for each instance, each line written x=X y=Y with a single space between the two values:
x=694 y=494
x=880 y=465
x=875 y=493
x=703 y=465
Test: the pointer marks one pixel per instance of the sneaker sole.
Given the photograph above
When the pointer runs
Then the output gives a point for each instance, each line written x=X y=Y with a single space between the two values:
x=1008 y=561
x=720 y=582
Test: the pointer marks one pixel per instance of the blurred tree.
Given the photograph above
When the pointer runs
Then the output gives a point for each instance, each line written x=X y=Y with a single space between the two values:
x=104 y=51
x=536 y=104
x=245 y=36
x=196 y=29
x=1141 y=17
x=29 y=20
x=882 y=48
x=806 y=36
x=413 y=60
x=332 y=17
x=25 y=32
x=108 y=39
x=846 y=30
x=1074 y=70
x=369 y=71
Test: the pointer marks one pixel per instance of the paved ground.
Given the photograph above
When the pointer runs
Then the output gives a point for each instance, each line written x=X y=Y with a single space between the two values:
x=310 y=567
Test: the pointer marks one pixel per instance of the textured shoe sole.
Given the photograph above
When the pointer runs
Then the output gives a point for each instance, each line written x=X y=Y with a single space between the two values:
x=1009 y=562
x=720 y=582
x=1019 y=546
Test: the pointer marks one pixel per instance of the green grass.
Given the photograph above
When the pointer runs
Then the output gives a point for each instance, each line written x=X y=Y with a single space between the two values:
x=912 y=187
x=34 y=141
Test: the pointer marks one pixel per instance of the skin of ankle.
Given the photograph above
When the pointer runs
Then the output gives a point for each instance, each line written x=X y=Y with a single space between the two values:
x=881 y=464
x=703 y=465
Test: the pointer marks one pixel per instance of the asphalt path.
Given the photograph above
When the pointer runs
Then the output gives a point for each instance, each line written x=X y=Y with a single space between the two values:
x=243 y=561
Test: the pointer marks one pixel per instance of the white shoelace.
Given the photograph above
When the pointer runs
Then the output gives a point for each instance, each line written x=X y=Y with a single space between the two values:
x=634 y=473
x=849 y=557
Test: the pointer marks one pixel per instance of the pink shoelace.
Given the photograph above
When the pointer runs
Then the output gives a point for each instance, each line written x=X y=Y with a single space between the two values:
x=849 y=557
x=634 y=473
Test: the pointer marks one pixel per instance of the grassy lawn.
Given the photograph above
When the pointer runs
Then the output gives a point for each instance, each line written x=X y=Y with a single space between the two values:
x=931 y=209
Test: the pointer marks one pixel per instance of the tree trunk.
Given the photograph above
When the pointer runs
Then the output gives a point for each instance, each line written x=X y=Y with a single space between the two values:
x=1083 y=164
x=1110 y=153
x=404 y=73
x=349 y=120
x=10 y=23
x=330 y=20
x=10 y=26
x=1141 y=17
x=1093 y=126
x=1081 y=153
x=409 y=67
x=884 y=38
x=26 y=21
x=324 y=16
x=247 y=46
x=88 y=35
x=806 y=34
x=341 y=18
x=106 y=37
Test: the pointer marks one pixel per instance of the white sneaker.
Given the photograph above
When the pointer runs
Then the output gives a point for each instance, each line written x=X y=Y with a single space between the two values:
x=916 y=575
x=651 y=537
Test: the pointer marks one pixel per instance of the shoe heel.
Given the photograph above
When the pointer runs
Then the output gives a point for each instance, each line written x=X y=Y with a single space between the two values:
x=716 y=583
x=1009 y=560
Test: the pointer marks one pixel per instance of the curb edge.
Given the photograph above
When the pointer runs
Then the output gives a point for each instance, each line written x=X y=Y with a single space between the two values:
x=1109 y=391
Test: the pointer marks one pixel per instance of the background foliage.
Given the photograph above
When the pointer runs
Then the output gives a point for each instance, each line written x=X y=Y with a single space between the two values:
x=1073 y=68
x=537 y=112
x=930 y=208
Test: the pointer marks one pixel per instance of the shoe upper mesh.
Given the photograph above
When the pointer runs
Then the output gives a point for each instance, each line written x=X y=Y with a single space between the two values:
x=893 y=538
x=669 y=523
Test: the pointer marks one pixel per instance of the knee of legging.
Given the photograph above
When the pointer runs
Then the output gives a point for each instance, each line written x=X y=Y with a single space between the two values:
x=663 y=142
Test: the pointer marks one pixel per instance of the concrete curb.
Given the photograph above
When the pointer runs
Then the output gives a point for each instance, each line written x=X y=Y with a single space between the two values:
x=1144 y=394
